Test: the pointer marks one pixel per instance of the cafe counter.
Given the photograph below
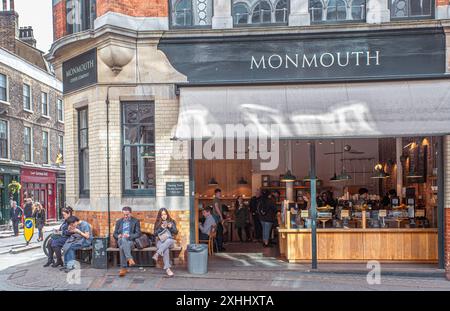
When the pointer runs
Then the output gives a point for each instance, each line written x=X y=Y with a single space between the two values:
x=418 y=245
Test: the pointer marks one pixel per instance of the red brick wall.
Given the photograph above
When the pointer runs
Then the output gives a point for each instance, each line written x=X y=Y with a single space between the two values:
x=59 y=20
x=447 y=242
x=99 y=223
x=138 y=8
x=442 y=2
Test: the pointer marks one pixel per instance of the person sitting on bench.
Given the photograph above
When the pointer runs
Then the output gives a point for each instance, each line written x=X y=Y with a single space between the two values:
x=165 y=231
x=81 y=237
x=126 y=231
x=209 y=222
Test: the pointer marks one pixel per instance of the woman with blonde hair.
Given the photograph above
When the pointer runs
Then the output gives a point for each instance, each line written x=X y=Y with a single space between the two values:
x=39 y=217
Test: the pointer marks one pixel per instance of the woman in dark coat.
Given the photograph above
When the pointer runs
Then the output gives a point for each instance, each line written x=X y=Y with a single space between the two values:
x=60 y=237
x=165 y=231
x=39 y=216
x=242 y=219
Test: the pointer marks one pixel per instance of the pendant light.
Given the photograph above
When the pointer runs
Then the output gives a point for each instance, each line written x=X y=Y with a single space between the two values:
x=242 y=181
x=334 y=178
x=213 y=182
x=379 y=172
x=343 y=175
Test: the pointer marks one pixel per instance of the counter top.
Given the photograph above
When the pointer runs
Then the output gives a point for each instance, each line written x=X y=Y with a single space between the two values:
x=353 y=230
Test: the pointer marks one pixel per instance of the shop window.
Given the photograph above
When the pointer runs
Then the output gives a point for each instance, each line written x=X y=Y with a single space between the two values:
x=28 y=148
x=80 y=15
x=3 y=88
x=138 y=150
x=44 y=104
x=191 y=13
x=60 y=108
x=262 y=13
x=323 y=11
x=4 y=139
x=281 y=12
x=83 y=151
x=240 y=13
x=45 y=147
x=26 y=97
x=416 y=9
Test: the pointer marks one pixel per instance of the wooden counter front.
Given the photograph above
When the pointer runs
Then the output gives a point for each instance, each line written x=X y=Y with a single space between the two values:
x=402 y=245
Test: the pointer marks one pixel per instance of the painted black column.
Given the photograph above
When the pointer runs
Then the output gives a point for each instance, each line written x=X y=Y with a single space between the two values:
x=312 y=175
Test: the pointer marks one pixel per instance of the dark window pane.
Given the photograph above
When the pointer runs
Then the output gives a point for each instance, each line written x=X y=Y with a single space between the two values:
x=131 y=134
x=240 y=13
x=131 y=113
x=3 y=85
x=146 y=113
x=83 y=139
x=148 y=134
x=281 y=11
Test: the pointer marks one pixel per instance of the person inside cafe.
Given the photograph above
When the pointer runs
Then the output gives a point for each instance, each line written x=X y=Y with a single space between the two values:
x=126 y=231
x=386 y=201
x=257 y=230
x=208 y=223
x=267 y=215
x=242 y=219
x=218 y=216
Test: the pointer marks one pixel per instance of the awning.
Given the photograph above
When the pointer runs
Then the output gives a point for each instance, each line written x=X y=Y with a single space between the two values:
x=367 y=109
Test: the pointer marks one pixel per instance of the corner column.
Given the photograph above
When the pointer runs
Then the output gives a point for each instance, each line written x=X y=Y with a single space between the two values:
x=222 y=17
x=299 y=14
x=377 y=12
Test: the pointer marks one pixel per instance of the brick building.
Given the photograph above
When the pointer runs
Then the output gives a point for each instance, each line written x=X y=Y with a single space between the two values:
x=32 y=127
x=138 y=72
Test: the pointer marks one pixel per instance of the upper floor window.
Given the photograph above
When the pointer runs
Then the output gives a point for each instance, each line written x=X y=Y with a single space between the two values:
x=3 y=139
x=27 y=144
x=45 y=147
x=255 y=12
x=323 y=11
x=44 y=104
x=191 y=13
x=3 y=88
x=60 y=108
x=80 y=15
x=26 y=96
x=411 y=9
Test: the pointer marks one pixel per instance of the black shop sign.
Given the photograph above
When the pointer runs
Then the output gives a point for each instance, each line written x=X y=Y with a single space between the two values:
x=175 y=189
x=80 y=71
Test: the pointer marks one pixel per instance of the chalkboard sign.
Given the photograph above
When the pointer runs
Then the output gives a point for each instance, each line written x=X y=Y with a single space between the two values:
x=99 y=255
x=175 y=189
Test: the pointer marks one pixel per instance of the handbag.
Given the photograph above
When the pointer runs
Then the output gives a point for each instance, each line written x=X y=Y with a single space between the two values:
x=164 y=235
x=142 y=242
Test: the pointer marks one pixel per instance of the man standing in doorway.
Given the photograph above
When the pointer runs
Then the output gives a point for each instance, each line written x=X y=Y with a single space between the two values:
x=16 y=217
x=218 y=216
x=254 y=212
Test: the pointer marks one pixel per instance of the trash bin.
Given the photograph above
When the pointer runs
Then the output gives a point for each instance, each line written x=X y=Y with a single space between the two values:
x=99 y=254
x=197 y=258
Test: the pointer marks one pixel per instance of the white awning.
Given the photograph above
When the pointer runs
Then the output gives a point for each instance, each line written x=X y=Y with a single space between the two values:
x=369 y=109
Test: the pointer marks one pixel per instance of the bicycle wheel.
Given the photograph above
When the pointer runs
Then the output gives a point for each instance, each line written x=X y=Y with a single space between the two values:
x=44 y=245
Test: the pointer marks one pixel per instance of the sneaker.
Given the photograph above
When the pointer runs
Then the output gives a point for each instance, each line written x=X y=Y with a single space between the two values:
x=67 y=270
x=169 y=273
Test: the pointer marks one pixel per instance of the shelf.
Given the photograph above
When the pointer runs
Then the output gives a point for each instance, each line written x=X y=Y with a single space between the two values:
x=282 y=188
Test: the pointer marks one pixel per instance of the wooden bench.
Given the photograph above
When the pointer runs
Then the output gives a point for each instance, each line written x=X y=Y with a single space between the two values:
x=143 y=257
x=84 y=254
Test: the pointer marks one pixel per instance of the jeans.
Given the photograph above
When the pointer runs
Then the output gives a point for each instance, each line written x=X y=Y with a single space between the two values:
x=41 y=231
x=219 y=236
x=15 y=225
x=266 y=228
x=163 y=249
x=125 y=247
x=257 y=225
x=69 y=255
x=247 y=232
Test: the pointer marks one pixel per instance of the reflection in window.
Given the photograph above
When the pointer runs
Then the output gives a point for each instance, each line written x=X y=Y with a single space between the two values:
x=138 y=151
x=337 y=10
x=411 y=8
x=261 y=13
x=281 y=11
x=240 y=13
x=80 y=15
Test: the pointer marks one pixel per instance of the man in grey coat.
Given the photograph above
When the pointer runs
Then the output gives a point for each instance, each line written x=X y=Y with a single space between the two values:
x=126 y=231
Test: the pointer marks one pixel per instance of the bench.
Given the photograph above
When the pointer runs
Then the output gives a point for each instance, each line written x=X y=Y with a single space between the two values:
x=84 y=254
x=143 y=257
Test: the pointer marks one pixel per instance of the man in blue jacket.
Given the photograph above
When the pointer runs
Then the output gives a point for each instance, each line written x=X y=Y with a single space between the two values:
x=126 y=231
x=15 y=214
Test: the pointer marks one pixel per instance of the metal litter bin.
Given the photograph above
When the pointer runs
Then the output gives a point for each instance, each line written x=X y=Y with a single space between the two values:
x=197 y=258
x=99 y=254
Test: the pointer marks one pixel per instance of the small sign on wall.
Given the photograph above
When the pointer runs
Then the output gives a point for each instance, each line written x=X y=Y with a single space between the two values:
x=175 y=189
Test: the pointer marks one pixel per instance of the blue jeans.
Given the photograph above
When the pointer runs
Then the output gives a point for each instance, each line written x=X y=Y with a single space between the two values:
x=266 y=228
x=69 y=255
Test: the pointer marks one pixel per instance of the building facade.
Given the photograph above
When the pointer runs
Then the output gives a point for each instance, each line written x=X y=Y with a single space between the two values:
x=137 y=73
x=32 y=124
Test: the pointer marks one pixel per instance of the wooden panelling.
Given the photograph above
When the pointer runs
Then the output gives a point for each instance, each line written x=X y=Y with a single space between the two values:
x=409 y=245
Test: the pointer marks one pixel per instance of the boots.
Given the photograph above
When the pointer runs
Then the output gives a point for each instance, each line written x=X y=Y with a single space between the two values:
x=49 y=262
x=59 y=261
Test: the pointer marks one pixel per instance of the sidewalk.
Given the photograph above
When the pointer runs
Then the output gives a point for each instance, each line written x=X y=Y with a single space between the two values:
x=6 y=233
x=228 y=271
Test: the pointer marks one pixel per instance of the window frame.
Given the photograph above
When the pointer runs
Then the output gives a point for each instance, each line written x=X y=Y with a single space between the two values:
x=47 y=115
x=337 y=21
x=25 y=145
x=86 y=18
x=192 y=26
x=150 y=192
x=58 y=110
x=431 y=16
x=61 y=144
x=7 y=140
x=46 y=160
x=250 y=12
x=81 y=182
x=6 y=100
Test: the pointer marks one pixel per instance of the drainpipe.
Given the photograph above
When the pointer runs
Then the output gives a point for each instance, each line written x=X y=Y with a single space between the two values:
x=107 y=164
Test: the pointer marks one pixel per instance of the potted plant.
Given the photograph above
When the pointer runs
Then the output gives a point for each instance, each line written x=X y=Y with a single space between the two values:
x=14 y=187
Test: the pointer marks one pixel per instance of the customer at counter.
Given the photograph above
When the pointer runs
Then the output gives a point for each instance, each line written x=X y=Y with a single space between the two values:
x=326 y=199
x=267 y=215
x=255 y=217
x=208 y=223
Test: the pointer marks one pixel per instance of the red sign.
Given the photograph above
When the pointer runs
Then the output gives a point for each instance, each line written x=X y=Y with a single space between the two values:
x=37 y=176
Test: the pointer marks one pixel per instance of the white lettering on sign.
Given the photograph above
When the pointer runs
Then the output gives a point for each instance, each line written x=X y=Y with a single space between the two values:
x=36 y=173
x=325 y=60
x=78 y=69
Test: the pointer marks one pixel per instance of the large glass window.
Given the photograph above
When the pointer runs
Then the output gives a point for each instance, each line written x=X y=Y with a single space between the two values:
x=281 y=11
x=138 y=150
x=27 y=144
x=83 y=151
x=323 y=11
x=3 y=139
x=411 y=9
x=44 y=103
x=191 y=13
x=26 y=97
x=255 y=12
x=3 y=88
x=60 y=108
x=80 y=15
x=240 y=13
x=262 y=13
x=45 y=147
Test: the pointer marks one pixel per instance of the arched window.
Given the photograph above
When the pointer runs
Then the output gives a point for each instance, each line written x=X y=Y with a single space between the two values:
x=316 y=9
x=261 y=13
x=281 y=11
x=336 y=10
x=411 y=8
x=240 y=13
x=358 y=9
x=182 y=13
